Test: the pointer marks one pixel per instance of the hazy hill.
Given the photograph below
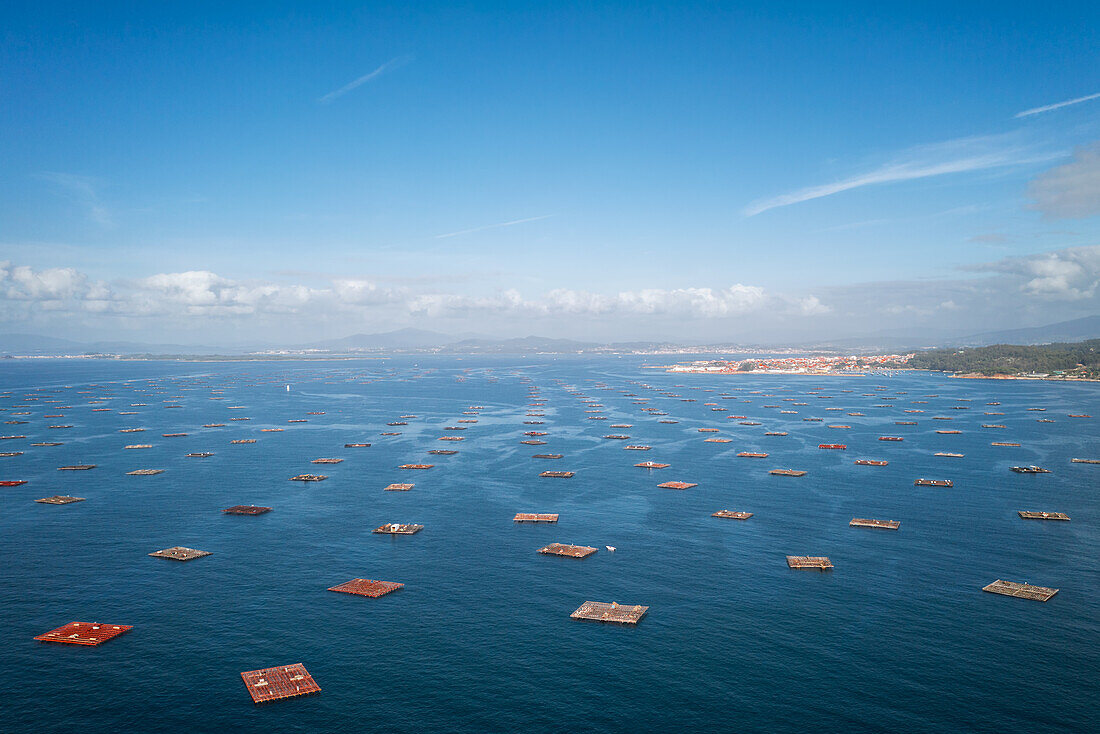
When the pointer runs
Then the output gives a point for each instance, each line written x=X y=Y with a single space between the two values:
x=1064 y=331
x=399 y=339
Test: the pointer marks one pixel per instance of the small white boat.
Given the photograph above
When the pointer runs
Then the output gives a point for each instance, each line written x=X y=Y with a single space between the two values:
x=610 y=548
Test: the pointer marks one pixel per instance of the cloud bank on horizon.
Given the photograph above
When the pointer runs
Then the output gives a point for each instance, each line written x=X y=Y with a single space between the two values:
x=1047 y=287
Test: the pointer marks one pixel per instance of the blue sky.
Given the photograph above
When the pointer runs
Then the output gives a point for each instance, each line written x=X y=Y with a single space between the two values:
x=717 y=171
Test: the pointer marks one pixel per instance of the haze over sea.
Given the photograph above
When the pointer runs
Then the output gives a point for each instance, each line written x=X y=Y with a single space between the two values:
x=898 y=637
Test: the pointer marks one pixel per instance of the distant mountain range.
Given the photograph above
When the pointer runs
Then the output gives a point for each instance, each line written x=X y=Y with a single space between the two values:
x=422 y=341
x=1066 y=331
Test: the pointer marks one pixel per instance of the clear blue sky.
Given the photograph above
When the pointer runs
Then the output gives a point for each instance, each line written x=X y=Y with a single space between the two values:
x=706 y=170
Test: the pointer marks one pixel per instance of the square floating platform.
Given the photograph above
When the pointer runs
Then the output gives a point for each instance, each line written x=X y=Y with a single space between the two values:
x=787 y=472
x=309 y=478
x=84 y=633
x=76 y=467
x=547 y=456
x=61 y=499
x=398 y=487
x=1034 y=515
x=367 y=587
x=732 y=515
x=1023 y=591
x=596 y=611
x=821 y=563
x=393 y=528
x=326 y=461
x=557 y=474
x=534 y=517
x=246 y=510
x=752 y=455
x=243 y=440
x=276 y=684
x=569 y=551
x=416 y=466
x=652 y=465
x=179 y=553
x=860 y=522
x=144 y=472
x=677 y=485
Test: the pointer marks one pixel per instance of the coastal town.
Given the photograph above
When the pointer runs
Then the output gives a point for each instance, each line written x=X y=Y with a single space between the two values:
x=806 y=365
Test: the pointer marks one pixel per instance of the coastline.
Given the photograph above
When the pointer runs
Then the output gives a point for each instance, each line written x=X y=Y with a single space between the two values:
x=976 y=376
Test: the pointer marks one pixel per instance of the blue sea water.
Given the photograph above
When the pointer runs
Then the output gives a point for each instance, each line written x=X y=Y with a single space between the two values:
x=898 y=637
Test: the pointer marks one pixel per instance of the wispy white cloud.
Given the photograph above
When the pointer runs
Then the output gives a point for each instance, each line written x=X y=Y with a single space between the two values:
x=1057 y=105
x=954 y=156
x=83 y=191
x=492 y=226
x=388 y=66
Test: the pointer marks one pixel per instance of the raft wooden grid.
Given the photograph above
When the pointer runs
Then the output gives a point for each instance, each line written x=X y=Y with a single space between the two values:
x=393 y=528
x=276 y=684
x=309 y=478
x=677 y=485
x=84 y=633
x=535 y=517
x=861 y=522
x=732 y=515
x=367 y=587
x=569 y=551
x=821 y=563
x=1023 y=591
x=61 y=499
x=1035 y=515
x=596 y=611
x=557 y=474
x=179 y=553
x=397 y=487
x=246 y=510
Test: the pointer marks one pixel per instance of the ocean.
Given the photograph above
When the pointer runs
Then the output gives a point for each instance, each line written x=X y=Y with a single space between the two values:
x=899 y=636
